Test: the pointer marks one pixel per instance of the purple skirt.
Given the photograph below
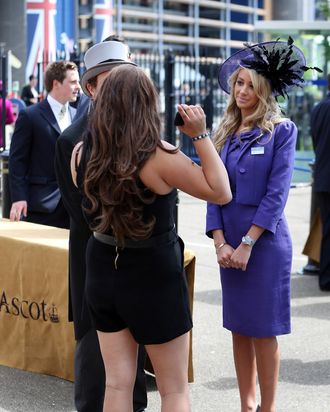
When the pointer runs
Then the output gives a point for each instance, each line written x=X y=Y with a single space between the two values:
x=257 y=302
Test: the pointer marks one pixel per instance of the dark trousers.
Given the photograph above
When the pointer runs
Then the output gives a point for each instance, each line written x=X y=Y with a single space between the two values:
x=324 y=274
x=89 y=374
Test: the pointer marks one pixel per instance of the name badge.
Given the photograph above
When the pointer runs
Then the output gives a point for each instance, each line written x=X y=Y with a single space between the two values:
x=258 y=150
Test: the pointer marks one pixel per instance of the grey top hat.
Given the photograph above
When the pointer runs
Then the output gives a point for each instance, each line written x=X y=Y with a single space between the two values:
x=101 y=57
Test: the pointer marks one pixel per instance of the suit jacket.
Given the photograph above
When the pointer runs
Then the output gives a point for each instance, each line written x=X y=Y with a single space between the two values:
x=263 y=177
x=83 y=106
x=79 y=230
x=31 y=158
x=320 y=129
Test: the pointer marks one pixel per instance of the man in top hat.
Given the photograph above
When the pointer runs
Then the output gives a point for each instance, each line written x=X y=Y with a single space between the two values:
x=89 y=368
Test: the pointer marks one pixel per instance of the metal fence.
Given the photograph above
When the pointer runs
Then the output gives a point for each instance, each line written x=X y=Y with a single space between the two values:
x=191 y=80
x=185 y=79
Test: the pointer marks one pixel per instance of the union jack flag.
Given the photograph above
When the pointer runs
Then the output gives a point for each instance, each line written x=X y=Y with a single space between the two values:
x=41 y=36
x=103 y=17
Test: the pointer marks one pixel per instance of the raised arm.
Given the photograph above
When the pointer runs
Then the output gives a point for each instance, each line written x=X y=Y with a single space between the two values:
x=208 y=182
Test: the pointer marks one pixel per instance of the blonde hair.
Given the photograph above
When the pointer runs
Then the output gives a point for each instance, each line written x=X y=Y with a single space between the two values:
x=265 y=116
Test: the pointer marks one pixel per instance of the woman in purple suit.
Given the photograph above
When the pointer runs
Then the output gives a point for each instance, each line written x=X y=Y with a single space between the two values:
x=251 y=235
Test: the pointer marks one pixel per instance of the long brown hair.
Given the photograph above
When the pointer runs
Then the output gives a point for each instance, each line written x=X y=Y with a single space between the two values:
x=125 y=132
x=266 y=115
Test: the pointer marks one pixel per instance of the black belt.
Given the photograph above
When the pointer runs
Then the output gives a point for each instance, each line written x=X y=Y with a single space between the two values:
x=145 y=243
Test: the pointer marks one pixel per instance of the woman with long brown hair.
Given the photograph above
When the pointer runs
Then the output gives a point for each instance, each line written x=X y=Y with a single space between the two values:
x=136 y=289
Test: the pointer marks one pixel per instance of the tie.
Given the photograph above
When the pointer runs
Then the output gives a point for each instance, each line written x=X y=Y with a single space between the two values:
x=62 y=112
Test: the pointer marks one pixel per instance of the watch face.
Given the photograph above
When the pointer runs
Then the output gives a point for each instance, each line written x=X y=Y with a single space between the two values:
x=247 y=240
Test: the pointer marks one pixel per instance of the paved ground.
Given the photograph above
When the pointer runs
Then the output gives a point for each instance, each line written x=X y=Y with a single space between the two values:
x=304 y=384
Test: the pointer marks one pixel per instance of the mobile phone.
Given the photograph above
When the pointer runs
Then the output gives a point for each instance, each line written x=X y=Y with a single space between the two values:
x=178 y=121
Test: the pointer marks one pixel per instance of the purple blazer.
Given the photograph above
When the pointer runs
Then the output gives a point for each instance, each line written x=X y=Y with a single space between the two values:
x=263 y=176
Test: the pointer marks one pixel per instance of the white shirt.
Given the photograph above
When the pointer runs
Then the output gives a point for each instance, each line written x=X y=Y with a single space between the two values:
x=34 y=92
x=56 y=107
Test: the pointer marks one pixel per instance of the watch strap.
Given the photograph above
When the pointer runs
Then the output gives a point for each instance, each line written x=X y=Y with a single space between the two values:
x=247 y=240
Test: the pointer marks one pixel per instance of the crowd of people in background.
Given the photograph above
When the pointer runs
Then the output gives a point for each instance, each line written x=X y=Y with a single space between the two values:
x=29 y=95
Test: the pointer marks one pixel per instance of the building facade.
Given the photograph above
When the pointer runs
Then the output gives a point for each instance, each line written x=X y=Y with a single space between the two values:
x=54 y=29
x=196 y=28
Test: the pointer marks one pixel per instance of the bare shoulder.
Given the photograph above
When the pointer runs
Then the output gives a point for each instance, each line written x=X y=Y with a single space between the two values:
x=153 y=174
x=161 y=156
x=167 y=145
x=78 y=146
x=75 y=160
x=166 y=150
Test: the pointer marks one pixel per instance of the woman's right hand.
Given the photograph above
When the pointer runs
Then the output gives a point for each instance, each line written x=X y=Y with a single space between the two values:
x=194 y=120
x=224 y=255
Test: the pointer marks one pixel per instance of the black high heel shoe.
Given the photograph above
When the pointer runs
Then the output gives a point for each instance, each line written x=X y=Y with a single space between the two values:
x=258 y=409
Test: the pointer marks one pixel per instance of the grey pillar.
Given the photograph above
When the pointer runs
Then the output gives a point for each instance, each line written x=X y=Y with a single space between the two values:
x=13 y=33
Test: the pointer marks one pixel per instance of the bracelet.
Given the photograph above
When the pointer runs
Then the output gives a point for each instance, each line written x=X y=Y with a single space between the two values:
x=201 y=136
x=220 y=246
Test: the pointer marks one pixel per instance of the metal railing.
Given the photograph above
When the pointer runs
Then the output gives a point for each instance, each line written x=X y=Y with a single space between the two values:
x=182 y=79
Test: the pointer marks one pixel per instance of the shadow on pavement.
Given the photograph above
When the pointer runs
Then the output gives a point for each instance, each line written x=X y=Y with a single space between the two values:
x=221 y=384
x=305 y=373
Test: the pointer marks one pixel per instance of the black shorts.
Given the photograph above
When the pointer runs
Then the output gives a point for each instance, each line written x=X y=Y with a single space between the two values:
x=147 y=292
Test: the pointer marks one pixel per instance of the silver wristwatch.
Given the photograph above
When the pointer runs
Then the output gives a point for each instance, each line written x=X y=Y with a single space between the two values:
x=247 y=240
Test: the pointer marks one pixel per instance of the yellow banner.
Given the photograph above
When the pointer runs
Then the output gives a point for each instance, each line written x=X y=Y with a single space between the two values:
x=34 y=328
x=35 y=333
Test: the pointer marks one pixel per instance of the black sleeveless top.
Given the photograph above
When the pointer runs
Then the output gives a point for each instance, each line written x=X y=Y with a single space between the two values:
x=162 y=208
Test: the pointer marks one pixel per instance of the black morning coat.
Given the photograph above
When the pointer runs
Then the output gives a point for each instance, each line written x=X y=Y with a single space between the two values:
x=79 y=230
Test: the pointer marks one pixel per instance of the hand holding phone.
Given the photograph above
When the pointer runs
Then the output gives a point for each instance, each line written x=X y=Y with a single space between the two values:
x=178 y=121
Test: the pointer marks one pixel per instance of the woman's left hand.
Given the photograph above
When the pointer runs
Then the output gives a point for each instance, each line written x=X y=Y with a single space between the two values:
x=240 y=257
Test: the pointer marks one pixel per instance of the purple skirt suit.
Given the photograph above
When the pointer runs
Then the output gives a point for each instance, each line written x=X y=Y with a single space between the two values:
x=256 y=302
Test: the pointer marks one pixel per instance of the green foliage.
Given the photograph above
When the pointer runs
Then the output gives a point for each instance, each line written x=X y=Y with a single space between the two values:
x=324 y=8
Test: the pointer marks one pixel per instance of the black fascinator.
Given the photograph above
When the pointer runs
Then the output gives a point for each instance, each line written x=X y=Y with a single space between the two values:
x=281 y=63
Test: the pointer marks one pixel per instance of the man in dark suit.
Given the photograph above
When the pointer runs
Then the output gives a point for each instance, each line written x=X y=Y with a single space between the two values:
x=320 y=129
x=34 y=191
x=29 y=93
x=89 y=368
